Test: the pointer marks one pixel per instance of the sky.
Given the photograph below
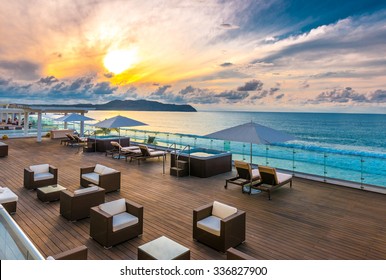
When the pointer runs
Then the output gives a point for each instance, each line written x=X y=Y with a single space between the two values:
x=249 y=55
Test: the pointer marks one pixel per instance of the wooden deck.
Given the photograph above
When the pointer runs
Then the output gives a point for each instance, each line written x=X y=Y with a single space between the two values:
x=310 y=221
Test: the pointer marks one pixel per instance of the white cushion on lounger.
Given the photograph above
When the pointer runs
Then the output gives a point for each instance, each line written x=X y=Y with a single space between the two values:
x=210 y=224
x=222 y=210
x=43 y=176
x=50 y=258
x=86 y=190
x=255 y=173
x=129 y=148
x=108 y=170
x=40 y=168
x=114 y=207
x=92 y=177
x=123 y=220
x=281 y=177
x=156 y=153
x=99 y=168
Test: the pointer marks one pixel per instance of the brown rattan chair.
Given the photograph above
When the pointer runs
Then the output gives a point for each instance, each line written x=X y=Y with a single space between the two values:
x=76 y=205
x=219 y=226
x=116 y=221
x=37 y=176
x=246 y=176
x=272 y=180
x=102 y=176
x=78 y=253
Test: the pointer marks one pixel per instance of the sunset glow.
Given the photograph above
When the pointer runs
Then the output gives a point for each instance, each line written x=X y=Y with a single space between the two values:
x=120 y=60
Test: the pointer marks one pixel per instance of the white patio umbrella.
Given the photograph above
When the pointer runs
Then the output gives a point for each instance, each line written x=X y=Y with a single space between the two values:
x=252 y=133
x=75 y=118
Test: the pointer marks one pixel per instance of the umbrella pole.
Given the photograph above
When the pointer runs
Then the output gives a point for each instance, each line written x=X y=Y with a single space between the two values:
x=251 y=154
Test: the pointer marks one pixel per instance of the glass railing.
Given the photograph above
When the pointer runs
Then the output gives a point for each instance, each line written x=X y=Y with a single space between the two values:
x=14 y=244
x=323 y=165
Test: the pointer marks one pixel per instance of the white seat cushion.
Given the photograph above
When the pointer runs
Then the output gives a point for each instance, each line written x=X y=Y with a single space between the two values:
x=281 y=177
x=91 y=177
x=222 y=210
x=8 y=196
x=255 y=173
x=129 y=148
x=210 y=224
x=99 y=168
x=156 y=153
x=108 y=170
x=40 y=168
x=114 y=207
x=123 y=220
x=86 y=190
x=43 y=176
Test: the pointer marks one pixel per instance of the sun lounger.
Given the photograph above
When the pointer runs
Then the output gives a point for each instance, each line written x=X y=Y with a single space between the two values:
x=272 y=180
x=246 y=175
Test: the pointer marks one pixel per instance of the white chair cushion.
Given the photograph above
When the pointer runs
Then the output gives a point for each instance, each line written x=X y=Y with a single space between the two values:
x=255 y=173
x=281 y=177
x=108 y=170
x=129 y=148
x=91 y=177
x=43 y=176
x=114 y=207
x=50 y=258
x=40 y=168
x=123 y=220
x=86 y=190
x=99 y=168
x=222 y=210
x=8 y=196
x=156 y=153
x=210 y=224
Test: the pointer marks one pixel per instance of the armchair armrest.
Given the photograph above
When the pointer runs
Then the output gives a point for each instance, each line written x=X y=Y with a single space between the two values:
x=202 y=212
x=101 y=224
x=28 y=177
x=78 y=253
x=84 y=170
x=110 y=181
x=53 y=170
x=134 y=209
x=234 y=225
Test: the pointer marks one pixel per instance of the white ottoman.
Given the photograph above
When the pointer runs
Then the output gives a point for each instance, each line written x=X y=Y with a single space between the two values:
x=8 y=199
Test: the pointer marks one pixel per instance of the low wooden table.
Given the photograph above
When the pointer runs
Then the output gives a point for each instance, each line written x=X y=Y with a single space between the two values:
x=50 y=193
x=163 y=248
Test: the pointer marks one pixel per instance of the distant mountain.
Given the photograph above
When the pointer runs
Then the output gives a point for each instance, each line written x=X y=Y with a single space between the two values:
x=132 y=105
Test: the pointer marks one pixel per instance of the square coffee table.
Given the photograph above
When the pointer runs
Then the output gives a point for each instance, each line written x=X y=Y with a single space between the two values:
x=50 y=193
x=163 y=248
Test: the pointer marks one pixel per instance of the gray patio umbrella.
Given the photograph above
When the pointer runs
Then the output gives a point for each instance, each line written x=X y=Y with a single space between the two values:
x=74 y=118
x=118 y=122
x=252 y=133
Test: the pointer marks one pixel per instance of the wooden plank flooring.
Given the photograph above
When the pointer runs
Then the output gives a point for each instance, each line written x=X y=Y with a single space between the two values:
x=310 y=221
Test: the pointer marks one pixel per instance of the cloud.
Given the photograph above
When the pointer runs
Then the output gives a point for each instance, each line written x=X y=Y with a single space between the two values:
x=251 y=86
x=109 y=75
x=280 y=96
x=160 y=91
x=346 y=95
x=232 y=96
x=4 y=82
x=226 y=64
x=20 y=69
x=224 y=75
x=379 y=96
x=104 y=88
x=229 y=26
x=49 y=80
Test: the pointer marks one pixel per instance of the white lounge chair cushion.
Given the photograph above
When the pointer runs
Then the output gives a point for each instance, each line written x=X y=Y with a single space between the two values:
x=8 y=196
x=43 y=176
x=255 y=173
x=210 y=224
x=114 y=207
x=40 y=168
x=156 y=153
x=91 y=177
x=123 y=220
x=222 y=210
x=281 y=177
x=129 y=148
x=86 y=190
x=50 y=258
x=108 y=170
x=99 y=168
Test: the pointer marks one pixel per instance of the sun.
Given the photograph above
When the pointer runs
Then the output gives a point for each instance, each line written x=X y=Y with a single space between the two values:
x=118 y=61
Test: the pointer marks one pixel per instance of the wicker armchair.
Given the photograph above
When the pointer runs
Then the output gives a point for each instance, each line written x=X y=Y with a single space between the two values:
x=117 y=221
x=102 y=176
x=37 y=176
x=75 y=206
x=219 y=226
